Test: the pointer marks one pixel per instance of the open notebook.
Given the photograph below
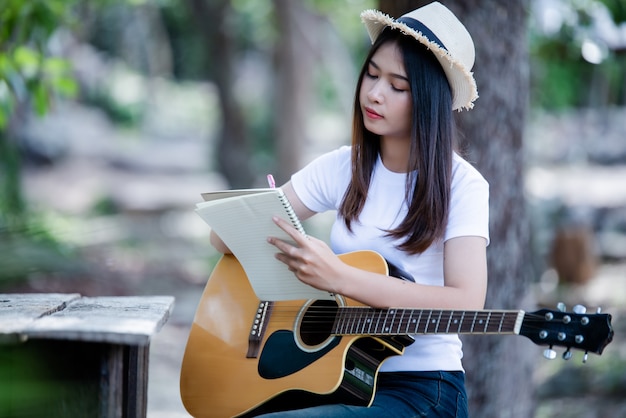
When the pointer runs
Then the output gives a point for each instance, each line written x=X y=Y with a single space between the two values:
x=243 y=220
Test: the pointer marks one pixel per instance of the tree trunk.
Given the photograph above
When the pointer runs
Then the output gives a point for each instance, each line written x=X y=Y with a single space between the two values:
x=307 y=45
x=499 y=369
x=296 y=51
x=211 y=18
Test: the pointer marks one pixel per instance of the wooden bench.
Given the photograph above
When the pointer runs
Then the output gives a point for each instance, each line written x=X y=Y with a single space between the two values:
x=64 y=355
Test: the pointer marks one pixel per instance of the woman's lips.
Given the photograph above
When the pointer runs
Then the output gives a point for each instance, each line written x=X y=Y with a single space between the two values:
x=372 y=114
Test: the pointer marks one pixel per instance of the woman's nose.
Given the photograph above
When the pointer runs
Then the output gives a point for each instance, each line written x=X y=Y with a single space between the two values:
x=375 y=93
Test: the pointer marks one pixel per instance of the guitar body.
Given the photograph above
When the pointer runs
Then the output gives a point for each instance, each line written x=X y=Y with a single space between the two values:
x=223 y=375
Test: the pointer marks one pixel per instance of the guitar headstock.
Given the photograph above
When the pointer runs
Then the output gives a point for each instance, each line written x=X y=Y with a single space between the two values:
x=577 y=329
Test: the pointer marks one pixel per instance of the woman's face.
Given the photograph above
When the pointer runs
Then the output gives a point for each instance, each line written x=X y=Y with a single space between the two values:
x=385 y=94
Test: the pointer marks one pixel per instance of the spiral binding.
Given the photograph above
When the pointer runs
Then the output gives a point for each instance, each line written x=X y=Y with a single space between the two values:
x=295 y=221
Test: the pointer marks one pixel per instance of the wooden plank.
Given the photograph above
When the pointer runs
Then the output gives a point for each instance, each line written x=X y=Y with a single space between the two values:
x=119 y=320
x=18 y=311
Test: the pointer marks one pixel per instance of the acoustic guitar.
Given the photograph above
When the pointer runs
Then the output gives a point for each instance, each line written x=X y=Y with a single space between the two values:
x=245 y=357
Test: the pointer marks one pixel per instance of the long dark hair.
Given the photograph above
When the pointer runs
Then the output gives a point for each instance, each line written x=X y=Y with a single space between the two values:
x=433 y=142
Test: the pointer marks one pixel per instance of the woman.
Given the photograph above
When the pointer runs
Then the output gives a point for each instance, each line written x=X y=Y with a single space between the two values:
x=403 y=191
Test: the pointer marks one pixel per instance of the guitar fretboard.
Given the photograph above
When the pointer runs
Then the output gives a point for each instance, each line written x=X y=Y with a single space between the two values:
x=370 y=321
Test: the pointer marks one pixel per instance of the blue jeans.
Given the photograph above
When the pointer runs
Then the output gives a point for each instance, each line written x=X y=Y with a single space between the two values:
x=401 y=395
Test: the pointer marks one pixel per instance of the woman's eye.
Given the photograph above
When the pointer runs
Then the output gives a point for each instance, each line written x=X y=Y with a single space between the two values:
x=398 y=89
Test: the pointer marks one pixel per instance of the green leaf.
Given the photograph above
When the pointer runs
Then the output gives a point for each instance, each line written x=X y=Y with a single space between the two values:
x=55 y=65
x=41 y=99
x=65 y=86
x=27 y=60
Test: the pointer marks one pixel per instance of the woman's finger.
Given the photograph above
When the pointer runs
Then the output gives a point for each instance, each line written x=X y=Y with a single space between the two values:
x=297 y=236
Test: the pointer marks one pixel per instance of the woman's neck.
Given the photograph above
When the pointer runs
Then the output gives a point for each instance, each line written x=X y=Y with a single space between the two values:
x=394 y=153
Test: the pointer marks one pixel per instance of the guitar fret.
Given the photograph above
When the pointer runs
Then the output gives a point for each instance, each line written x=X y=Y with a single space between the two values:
x=469 y=322
x=480 y=317
x=427 y=321
x=417 y=324
x=346 y=322
x=376 y=327
x=449 y=322
x=352 y=320
x=341 y=328
x=493 y=323
x=438 y=322
x=494 y=327
x=364 y=320
x=349 y=323
x=397 y=321
x=410 y=322
x=369 y=322
x=386 y=321
x=458 y=329
x=487 y=322
x=341 y=320
x=386 y=326
x=382 y=319
x=401 y=328
x=474 y=321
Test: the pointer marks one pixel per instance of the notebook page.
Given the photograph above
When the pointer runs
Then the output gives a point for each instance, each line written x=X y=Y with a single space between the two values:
x=244 y=223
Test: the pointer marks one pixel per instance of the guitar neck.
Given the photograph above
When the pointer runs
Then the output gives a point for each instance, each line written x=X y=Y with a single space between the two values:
x=401 y=321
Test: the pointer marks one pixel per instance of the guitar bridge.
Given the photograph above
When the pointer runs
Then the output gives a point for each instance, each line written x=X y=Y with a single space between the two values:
x=257 y=331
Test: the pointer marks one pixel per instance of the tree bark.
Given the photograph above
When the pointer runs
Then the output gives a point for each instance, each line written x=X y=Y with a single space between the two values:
x=233 y=151
x=293 y=85
x=499 y=369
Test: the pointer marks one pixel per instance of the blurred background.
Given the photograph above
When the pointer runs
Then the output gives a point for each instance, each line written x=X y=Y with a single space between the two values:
x=116 y=114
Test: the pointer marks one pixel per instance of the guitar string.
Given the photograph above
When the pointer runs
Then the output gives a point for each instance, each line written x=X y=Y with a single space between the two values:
x=328 y=315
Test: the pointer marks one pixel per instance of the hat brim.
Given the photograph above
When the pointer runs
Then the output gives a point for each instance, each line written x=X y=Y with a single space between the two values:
x=461 y=80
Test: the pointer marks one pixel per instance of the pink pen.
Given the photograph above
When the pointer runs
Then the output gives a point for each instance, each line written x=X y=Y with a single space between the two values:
x=271 y=182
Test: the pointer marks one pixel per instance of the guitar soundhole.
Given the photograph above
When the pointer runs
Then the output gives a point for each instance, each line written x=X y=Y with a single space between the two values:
x=317 y=323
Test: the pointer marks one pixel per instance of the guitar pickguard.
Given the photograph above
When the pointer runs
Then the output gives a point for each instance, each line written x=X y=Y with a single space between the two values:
x=281 y=356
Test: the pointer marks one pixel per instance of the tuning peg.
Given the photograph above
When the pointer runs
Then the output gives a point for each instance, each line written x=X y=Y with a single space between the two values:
x=561 y=307
x=549 y=353
x=585 y=357
x=579 y=309
x=567 y=355
x=598 y=310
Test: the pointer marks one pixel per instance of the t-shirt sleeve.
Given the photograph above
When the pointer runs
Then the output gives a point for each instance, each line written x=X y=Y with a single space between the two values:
x=321 y=184
x=469 y=204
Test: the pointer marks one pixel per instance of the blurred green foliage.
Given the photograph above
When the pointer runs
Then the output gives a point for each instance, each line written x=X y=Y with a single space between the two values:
x=27 y=71
x=561 y=76
x=32 y=250
x=29 y=76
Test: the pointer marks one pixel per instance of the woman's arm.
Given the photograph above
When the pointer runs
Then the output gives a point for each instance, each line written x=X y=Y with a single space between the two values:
x=465 y=274
x=301 y=210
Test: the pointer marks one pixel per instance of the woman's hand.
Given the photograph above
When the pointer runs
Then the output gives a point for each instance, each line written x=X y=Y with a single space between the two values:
x=311 y=260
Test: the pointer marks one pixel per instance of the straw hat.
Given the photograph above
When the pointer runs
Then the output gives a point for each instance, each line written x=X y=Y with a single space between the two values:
x=438 y=28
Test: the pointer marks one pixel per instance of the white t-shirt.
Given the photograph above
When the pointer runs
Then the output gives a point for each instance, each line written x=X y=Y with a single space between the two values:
x=321 y=186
